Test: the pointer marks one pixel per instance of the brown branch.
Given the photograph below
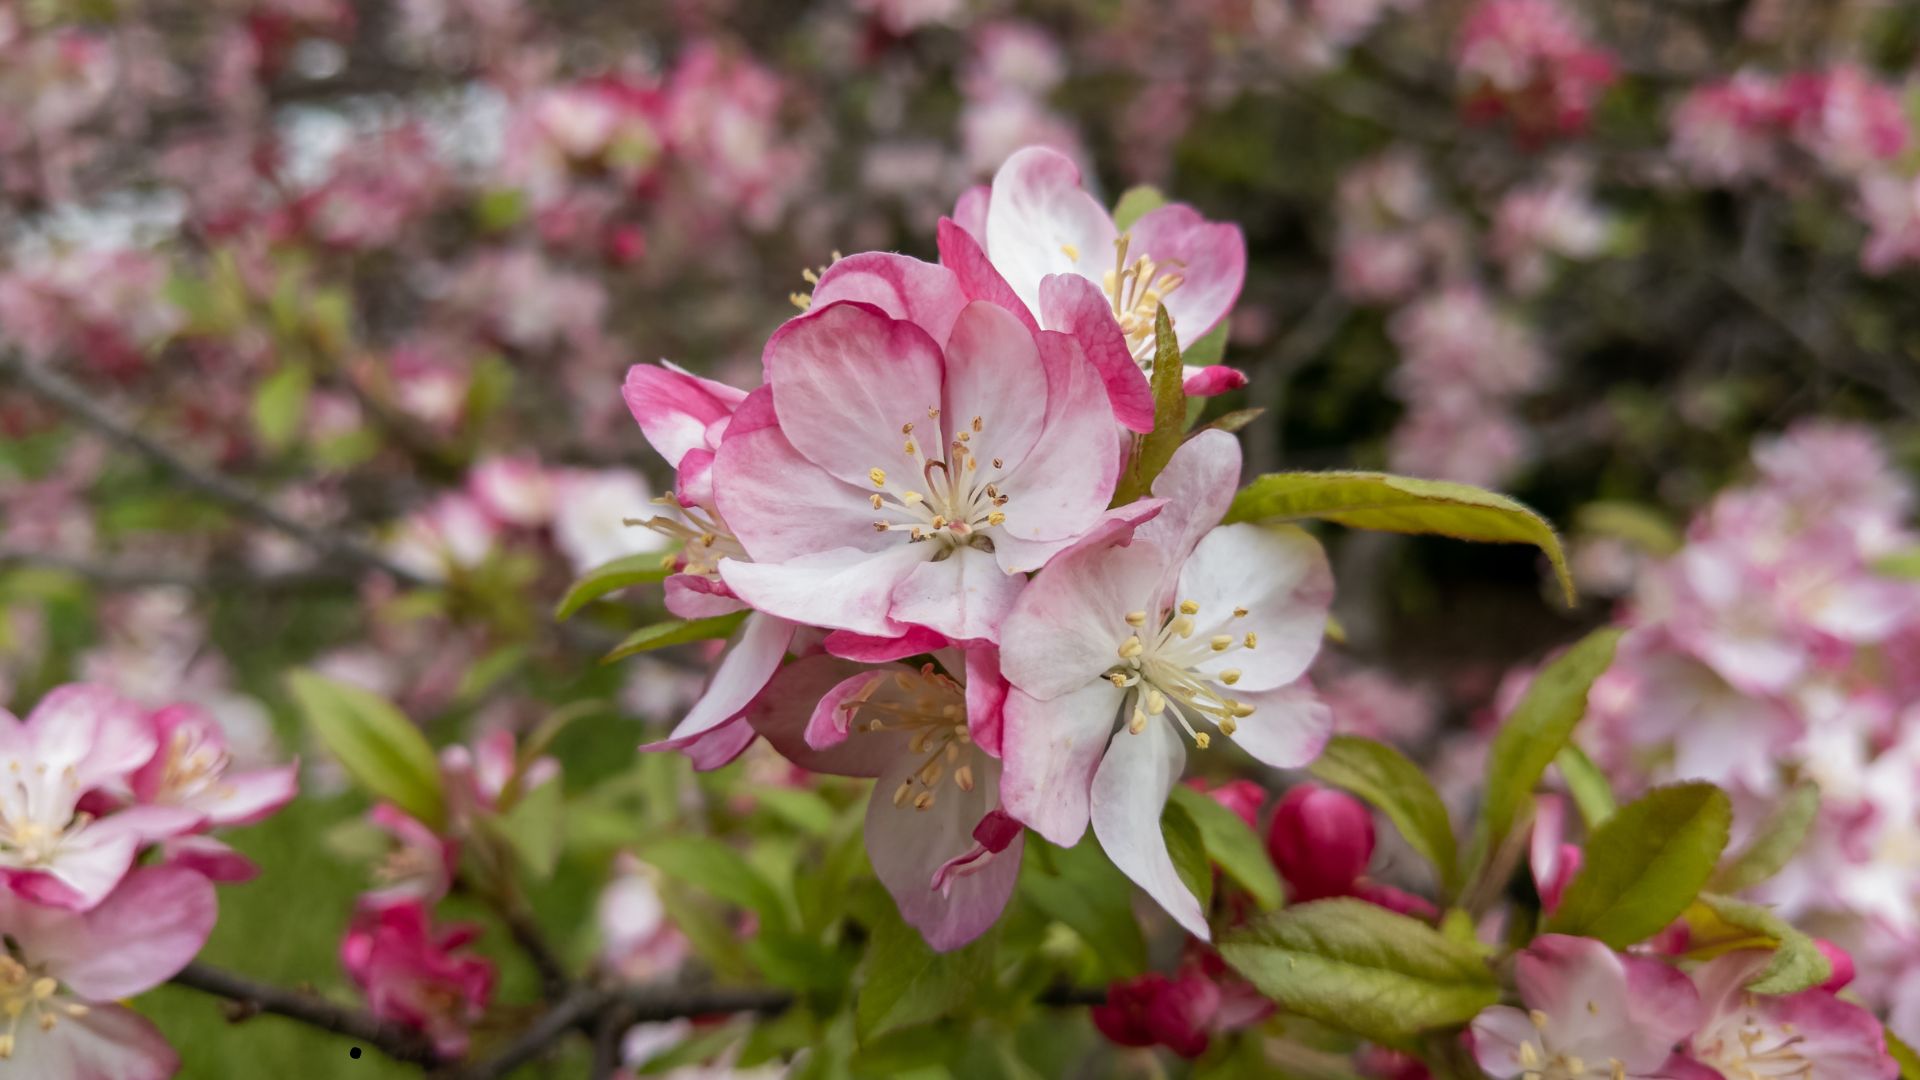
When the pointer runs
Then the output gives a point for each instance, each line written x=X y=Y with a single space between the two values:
x=83 y=407
x=252 y=998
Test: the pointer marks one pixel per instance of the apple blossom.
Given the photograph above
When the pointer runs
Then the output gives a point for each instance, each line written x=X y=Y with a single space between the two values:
x=932 y=476
x=1116 y=652
x=1809 y=1035
x=1588 y=1013
x=929 y=737
x=416 y=974
x=66 y=971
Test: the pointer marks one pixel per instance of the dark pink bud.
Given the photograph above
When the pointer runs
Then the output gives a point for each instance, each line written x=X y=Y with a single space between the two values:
x=1321 y=841
x=1842 y=962
x=1155 y=1010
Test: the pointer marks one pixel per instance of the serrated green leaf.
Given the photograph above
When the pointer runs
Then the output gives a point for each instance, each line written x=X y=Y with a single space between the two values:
x=1643 y=867
x=1773 y=843
x=677 y=632
x=1797 y=962
x=1535 y=733
x=718 y=869
x=1136 y=203
x=1188 y=850
x=1402 y=504
x=1362 y=968
x=1384 y=777
x=642 y=569
x=1591 y=792
x=378 y=746
x=1235 y=847
x=280 y=404
x=1169 y=415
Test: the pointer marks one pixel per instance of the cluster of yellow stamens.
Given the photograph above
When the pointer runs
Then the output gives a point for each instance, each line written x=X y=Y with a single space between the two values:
x=958 y=502
x=804 y=300
x=704 y=540
x=1763 y=1052
x=1536 y=1065
x=24 y=994
x=24 y=839
x=193 y=764
x=931 y=709
x=1136 y=290
x=1161 y=677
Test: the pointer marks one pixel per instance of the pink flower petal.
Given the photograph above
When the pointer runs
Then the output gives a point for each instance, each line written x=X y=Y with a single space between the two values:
x=137 y=938
x=1040 y=221
x=979 y=280
x=1212 y=261
x=994 y=372
x=841 y=589
x=1075 y=305
x=1129 y=793
x=908 y=846
x=879 y=650
x=922 y=293
x=1289 y=726
x=108 y=1043
x=781 y=505
x=675 y=409
x=1050 y=750
x=1281 y=579
x=748 y=663
x=963 y=597
x=784 y=710
x=1213 y=380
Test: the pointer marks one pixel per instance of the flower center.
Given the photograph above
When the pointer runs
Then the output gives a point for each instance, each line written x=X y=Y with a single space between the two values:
x=193 y=764
x=29 y=834
x=1161 y=673
x=932 y=710
x=24 y=995
x=960 y=501
x=1136 y=290
x=703 y=536
x=1748 y=1048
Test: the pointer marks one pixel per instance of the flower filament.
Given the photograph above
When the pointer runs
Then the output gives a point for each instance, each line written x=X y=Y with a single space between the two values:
x=1537 y=1064
x=26 y=994
x=703 y=537
x=1162 y=678
x=960 y=500
x=36 y=813
x=1755 y=1050
x=1136 y=291
x=931 y=711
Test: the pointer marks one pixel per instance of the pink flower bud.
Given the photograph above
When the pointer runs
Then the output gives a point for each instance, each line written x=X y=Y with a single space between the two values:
x=1155 y=1010
x=1842 y=962
x=1320 y=840
x=1243 y=797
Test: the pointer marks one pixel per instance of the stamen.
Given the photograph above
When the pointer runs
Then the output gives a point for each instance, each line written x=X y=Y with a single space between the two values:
x=1188 y=607
x=878 y=476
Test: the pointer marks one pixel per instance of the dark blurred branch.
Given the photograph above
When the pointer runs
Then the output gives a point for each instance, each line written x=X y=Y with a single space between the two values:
x=252 y=998
x=83 y=407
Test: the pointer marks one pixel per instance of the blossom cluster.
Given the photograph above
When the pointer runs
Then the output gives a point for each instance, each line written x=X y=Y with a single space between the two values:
x=1772 y=649
x=95 y=785
x=917 y=507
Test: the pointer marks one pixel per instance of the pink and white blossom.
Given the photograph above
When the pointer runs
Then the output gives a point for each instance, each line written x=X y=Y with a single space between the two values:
x=417 y=974
x=1810 y=1034
x=1119 y=653
x=1588 y=1013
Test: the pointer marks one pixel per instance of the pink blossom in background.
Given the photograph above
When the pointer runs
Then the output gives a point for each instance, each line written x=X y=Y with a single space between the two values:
x=590 y=514
x=452 y=535
x=1530 y=62
x=1731 y=130
x=1459 y=342
x=637 y=940
x=1812 y=1033
x=1539 y=223
x=1847 y=119
x=417 y=974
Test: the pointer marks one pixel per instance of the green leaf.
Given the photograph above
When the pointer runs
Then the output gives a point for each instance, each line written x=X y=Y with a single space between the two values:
x=1136 y=203
x=1535 y=733
x=1773 y=843
x=1646 y=865
x=1904 y=563
x=1362 y=968
x=1230 y=422
x=1384 y=777
x=677 y=632
x=280 y=404
x=1081 y=889
x=536 y=828
x=378 y=746
x=718 y=869
x=642 y=569
x=1904 y=1055
x=1591 y=792
x=1189 y=852
x=1402 y=504
x=1235 y=847
x=1210 y=349
x=1169 y=415
x=1637 y=524
x=803 y=808
x=499 y=209
x=908 y=983
x=1797 y=962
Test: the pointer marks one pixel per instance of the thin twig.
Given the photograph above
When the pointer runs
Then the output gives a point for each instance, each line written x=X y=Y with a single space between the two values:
x=393 y=1040
x=83 y=407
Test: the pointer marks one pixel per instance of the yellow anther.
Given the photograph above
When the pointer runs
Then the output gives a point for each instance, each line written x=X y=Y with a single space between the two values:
x=1251 y=639
x=902 y=793
x=1202 y=740
x=1070 y=251
x=923 y=801
x=963 y=777
x=1220 y=642
x=1156 y=702
x=906 y=428
x=996 y=518
x=875 y=500
x=1240 y=708
x=878 y=476
x=1188 y=607
x=1136 y=618
x=933 y=414
x=1538 y=1018
x=1228 y=725
x=998 y=464
x=976 y=424
x=1138 y=724
x=1239 y=613
x=1230 y=676
x=1183 y=626
x=911 y=497
x=1131 y=647
x=931 y=773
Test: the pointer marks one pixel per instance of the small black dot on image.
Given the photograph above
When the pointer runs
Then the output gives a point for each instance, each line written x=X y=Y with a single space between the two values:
x=354 y=1053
